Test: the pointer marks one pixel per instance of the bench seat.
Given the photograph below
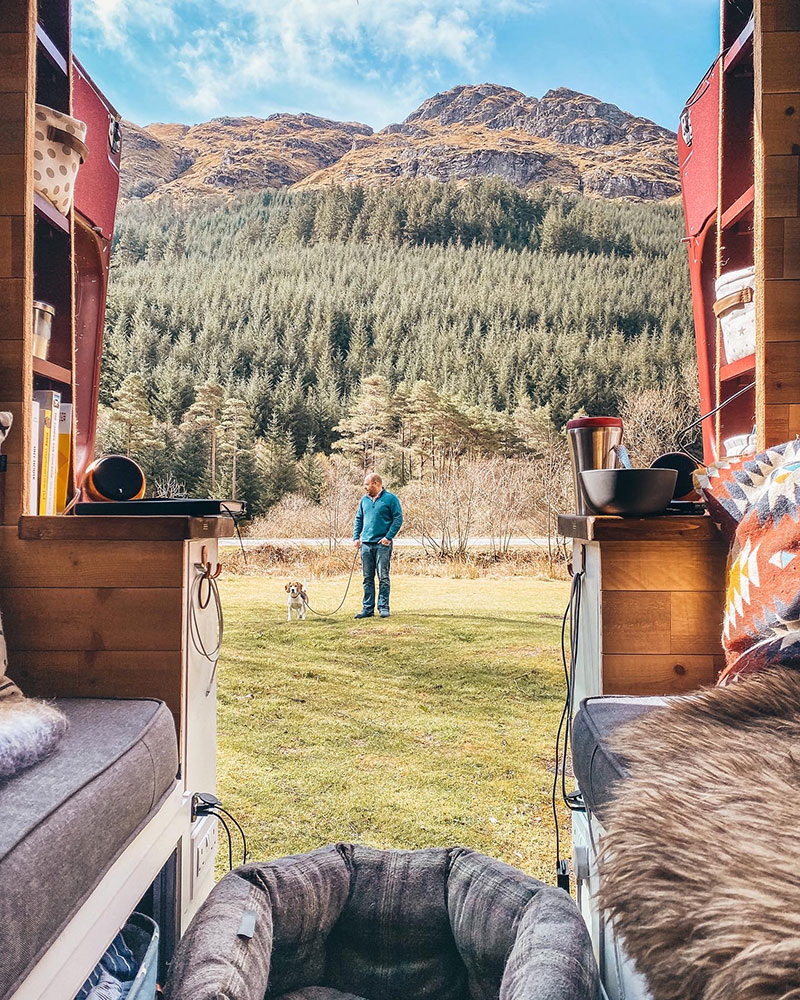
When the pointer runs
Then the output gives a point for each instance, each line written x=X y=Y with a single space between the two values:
x=67 y=819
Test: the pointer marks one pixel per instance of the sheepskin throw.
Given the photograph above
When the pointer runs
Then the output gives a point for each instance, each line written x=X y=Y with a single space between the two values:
x=700 y=866
x=29 y=731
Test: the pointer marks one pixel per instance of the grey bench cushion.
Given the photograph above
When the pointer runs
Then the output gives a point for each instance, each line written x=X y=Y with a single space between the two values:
x=597 y=767
x=67 y=819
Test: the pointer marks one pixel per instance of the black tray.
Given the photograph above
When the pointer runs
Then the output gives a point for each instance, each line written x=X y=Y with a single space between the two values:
x=165 y=508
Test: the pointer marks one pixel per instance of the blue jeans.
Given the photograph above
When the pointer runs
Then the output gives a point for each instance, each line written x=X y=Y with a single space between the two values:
x=375 y=557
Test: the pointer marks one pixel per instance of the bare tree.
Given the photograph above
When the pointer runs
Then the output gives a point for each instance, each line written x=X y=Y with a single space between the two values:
x=339 y=497
x=652 y=417
x=443 y=508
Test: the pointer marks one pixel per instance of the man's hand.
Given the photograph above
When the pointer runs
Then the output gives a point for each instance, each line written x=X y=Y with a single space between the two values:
x=357 y=542
x=385 y=541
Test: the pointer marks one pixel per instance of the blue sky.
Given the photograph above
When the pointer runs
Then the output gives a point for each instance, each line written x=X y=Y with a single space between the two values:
x=374 y=61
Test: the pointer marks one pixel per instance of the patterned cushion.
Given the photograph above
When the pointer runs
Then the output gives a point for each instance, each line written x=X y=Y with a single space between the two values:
x=756 y=502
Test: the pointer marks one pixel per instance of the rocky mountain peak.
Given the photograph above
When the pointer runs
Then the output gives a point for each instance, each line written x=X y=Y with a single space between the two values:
x=566 y=138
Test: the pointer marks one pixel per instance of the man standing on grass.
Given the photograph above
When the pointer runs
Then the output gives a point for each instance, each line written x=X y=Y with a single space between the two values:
x=378 y=520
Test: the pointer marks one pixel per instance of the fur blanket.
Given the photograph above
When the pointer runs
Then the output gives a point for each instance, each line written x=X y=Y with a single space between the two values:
x=700 y=868
x=29 y=731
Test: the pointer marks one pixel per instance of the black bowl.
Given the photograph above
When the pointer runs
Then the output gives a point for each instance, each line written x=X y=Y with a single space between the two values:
x=629 y=492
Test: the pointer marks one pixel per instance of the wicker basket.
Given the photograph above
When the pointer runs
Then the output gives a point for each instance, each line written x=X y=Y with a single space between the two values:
x=59 y=149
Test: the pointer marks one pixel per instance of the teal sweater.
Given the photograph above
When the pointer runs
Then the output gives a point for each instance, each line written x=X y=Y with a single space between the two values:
x=379 y=518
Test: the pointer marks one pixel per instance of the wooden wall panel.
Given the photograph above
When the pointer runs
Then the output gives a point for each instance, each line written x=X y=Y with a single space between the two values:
x=696 y=621
x=100 y=674
x=635 y=622
x=89 y=564
x=777 y=216
x=782 y=187
x=779 y=15
x=663 y=565
x=11 y=302
x=14 y=365
x=92 y=619
x=776 y=422
x=17 y=73
x=12 y=250
x=658 y=675
x=13 y=60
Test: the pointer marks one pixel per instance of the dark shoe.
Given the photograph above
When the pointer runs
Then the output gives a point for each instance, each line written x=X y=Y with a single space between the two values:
x=365 y=614
x=383 y=614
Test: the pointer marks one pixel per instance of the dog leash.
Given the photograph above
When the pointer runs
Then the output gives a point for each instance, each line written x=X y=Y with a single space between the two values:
x=329 y=614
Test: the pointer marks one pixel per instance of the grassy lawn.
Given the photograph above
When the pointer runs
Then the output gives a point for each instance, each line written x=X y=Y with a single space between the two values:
x=431 y=728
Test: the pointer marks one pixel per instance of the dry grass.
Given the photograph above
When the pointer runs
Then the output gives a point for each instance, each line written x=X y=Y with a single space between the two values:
x=312 y=563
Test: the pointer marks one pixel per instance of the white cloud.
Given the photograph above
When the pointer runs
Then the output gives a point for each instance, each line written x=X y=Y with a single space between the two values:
x=210 y=54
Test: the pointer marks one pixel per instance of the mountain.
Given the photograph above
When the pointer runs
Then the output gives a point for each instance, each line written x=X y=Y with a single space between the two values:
x=231 y=154
x=568 y=139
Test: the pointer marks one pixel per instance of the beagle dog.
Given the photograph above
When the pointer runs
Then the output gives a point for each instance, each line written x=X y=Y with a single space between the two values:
x=298 y=600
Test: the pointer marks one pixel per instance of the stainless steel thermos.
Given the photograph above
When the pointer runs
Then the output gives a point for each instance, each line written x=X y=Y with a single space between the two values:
x=591 y=442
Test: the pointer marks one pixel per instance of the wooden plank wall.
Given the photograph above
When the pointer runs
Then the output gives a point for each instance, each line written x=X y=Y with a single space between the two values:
x=17 y=76
x=662 y=608
x=94 y=618
x=777 y=218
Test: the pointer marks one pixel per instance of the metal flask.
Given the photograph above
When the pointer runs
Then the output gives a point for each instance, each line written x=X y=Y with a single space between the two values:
x=591 y=442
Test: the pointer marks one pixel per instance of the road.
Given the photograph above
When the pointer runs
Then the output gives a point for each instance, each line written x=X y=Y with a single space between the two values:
x=403 y=542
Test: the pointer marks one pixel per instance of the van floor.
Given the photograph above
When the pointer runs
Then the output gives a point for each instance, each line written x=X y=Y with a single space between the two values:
x=432 y=727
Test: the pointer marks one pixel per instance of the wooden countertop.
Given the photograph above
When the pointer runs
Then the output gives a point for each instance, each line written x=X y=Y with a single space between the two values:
x=669 y=528
x=119 y=528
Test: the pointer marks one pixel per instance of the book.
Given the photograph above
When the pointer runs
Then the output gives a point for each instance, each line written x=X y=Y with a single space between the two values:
x=64 y=454
x=49 y=407
x=33 y=503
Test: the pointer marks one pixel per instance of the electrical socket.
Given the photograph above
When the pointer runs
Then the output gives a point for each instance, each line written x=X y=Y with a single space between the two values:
x=205 y=839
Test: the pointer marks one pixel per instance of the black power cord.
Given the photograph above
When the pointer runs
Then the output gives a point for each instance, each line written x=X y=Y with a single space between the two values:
x=207 y=804
x=572 y=800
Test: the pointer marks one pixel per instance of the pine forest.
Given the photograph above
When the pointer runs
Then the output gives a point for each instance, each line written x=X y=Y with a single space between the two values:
x=267 y=346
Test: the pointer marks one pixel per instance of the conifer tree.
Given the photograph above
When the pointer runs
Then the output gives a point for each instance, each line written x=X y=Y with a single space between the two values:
x=132 y=428
x=235 y=438
x=204 y=416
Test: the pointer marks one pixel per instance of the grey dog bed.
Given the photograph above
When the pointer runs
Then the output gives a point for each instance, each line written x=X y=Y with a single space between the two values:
x=352 y=923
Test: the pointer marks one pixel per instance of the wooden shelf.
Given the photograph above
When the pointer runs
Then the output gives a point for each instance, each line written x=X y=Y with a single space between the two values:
x=741 y=48
x=50 y=213
x=744 y=366
x=117 y=528
x=48 y=370
x=50 y=49
x=669 y=528
x=739 y=208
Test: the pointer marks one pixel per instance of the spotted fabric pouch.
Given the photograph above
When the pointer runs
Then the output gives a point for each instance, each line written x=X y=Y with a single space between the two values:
x=59 y=150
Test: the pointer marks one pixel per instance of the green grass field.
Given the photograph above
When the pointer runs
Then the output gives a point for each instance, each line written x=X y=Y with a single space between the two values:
x=431 y=728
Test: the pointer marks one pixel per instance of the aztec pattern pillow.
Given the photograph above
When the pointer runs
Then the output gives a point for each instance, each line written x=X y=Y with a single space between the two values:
x=756 y=502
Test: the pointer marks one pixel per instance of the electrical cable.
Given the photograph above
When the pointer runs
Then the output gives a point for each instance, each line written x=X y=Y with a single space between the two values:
x=235 y=821
x=236 y=517
x=330 y=614
x=194 y=626
x=212 y=812
x=558 y=748
x=571 y=799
